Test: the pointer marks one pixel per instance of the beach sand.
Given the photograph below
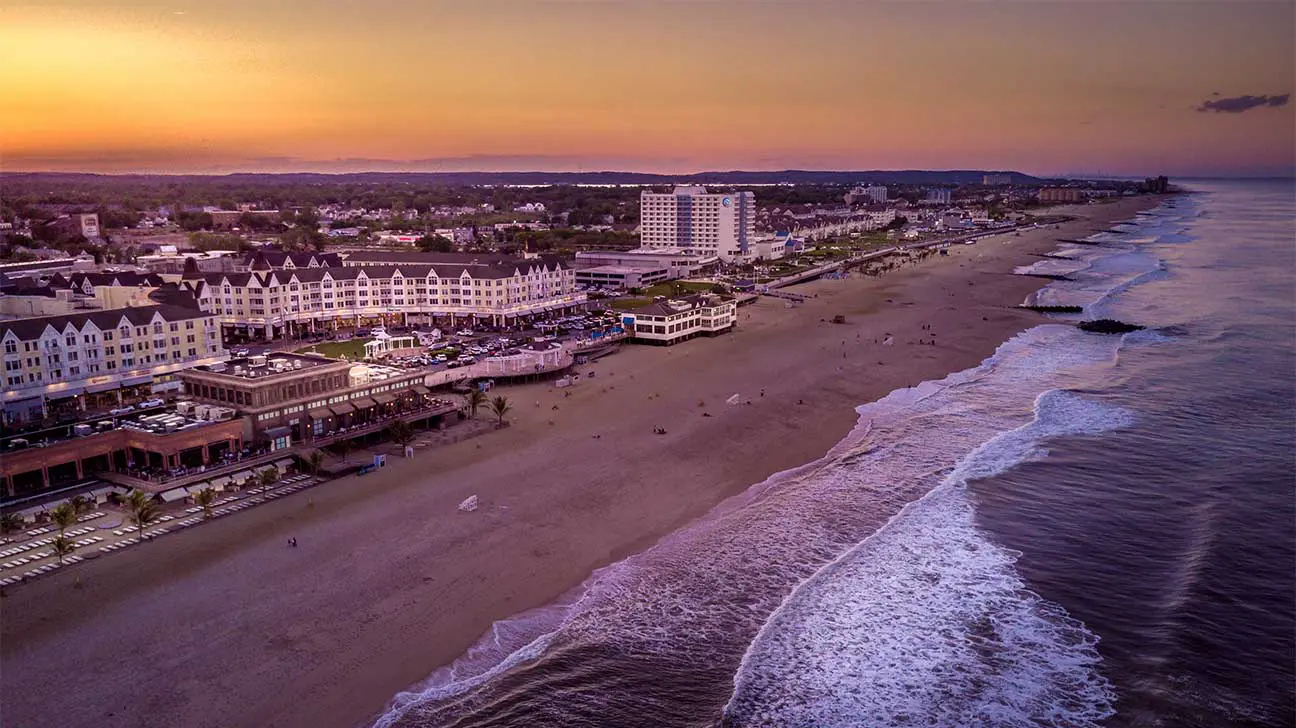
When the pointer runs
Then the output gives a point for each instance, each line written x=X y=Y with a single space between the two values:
x=223 y=625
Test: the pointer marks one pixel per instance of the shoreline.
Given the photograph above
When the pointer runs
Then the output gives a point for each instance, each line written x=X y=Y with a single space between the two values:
x=389 y=585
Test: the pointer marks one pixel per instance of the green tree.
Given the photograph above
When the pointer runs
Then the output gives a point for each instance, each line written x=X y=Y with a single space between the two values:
x=314 y=461
x=10 y=522
x=499 y=407
x=435 y=244
x=269 y=477
x=64 y=517
x=80 y=503
x=63 y=546
x=401 y=433
x=143 y=511
x=475 y=398
x=203 y=499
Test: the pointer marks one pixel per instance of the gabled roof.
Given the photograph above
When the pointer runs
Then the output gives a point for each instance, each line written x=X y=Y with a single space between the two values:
x=123 y=278
x=32 y=328
x=376 y=272
x=280 y=258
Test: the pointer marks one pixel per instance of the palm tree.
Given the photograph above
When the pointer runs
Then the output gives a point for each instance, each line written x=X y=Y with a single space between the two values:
x=401 y=433
x=64 y=517
x=475 y=398
x=143 y=510
x=203 y=499
x=80 y=503
x=500 y=406
x=269 y=476
x=10 y=522
x=62 y=546
x=314 y=461
x=344 y=449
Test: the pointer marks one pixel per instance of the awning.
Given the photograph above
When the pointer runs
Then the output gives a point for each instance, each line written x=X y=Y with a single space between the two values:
x=277 y=432
x=284 y=464
x=17 y=405
x=241 y=476
x=175 y=494
x=101 y=492
x=364 y=403
x=421 y=389
x=103 y=387
x=195 y=488
x=218 y=484
x=64 y=394
x=320 y=413
x=384 y=398
x=342 y=408
x=132 y=381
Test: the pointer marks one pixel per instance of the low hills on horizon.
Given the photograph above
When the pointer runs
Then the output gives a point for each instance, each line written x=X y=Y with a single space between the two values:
x=732 y=177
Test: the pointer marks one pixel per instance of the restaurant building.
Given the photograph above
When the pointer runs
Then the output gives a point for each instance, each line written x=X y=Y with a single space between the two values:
x=136 y=446
x=286 y=399
x=670 y=321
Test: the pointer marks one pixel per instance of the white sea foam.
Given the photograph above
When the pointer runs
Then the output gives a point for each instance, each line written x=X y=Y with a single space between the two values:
x=689 y=598
x=927 y=624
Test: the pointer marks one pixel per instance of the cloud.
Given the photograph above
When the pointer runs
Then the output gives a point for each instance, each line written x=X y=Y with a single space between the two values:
x=1238 y=104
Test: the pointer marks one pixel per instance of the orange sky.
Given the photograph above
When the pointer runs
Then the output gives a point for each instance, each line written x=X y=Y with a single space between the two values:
x=1041 y=87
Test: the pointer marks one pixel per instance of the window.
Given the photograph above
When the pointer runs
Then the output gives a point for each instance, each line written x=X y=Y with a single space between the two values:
x=11 y=347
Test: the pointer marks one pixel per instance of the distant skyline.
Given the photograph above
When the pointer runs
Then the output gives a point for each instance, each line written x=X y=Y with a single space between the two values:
x=1046 y=88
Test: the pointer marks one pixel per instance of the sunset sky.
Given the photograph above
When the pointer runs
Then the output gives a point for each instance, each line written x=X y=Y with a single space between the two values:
x=1041 y=87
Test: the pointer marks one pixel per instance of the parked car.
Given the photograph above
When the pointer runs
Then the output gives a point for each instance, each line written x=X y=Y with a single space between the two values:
x=121 y=411
x=155 y=402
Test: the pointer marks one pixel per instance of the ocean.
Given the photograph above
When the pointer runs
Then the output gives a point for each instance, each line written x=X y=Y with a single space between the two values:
x=1084 y=530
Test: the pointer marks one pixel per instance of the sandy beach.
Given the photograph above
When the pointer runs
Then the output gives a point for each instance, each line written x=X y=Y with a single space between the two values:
x=222 y=625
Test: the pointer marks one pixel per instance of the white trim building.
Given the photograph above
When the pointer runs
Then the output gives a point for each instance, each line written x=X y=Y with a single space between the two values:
x=670 y=321
x=64 y=357
x=270 y=304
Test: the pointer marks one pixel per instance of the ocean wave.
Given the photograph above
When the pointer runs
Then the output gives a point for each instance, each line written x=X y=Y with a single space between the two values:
x=926 y=622
x=685 y=610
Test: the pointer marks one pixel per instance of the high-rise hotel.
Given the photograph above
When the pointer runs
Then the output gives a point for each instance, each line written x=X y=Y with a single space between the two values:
x=690 y=218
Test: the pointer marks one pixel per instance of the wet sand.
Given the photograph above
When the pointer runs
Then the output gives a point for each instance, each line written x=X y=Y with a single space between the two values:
x=223 y=625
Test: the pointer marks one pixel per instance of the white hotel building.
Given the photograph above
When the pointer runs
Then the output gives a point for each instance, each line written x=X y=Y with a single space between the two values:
x=690 y=218
x=268 y=304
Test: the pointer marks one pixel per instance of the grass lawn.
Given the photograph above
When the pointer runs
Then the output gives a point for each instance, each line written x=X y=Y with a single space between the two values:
x=353 y=349
x=668 y=289
x=625 y=304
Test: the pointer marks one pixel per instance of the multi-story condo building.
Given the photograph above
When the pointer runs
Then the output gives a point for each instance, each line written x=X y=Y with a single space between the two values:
x=872 y=195
x=268 y=304
x=67 y=359
x=938 y=196
x=1061 y=194
x=719 y=224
